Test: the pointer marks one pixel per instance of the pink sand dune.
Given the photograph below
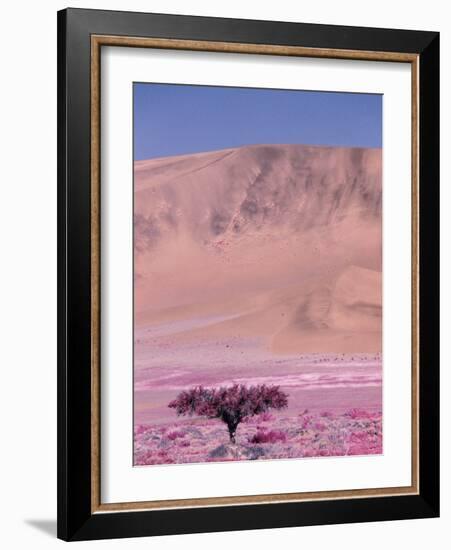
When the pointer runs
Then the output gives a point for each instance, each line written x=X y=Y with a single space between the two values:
x=279 y=242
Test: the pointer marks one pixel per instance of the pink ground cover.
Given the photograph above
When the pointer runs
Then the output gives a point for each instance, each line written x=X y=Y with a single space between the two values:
x=267 y=436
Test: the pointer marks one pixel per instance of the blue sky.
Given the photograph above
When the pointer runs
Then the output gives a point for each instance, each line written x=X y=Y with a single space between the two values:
x=174 y=119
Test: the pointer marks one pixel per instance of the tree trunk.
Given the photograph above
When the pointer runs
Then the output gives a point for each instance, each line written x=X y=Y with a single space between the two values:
x=232 y=432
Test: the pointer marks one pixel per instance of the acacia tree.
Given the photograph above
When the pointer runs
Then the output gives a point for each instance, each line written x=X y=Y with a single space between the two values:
x=230 y=404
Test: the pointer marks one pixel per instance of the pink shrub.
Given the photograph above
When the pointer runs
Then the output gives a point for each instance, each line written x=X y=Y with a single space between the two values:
x=319 y=426
x=305 y=422
x=357 y=437
x=175 y=434
x=357 y=413
x=272 y=436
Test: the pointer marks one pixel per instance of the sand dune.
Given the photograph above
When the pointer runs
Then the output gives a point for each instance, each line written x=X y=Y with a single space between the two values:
x=338 y=317
x=280 y=242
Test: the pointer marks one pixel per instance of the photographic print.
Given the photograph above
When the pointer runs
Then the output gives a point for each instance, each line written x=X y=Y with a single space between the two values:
x=257 y=274
x=232 y=207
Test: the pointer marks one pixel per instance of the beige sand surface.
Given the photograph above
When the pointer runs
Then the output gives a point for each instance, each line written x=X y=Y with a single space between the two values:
x=276 y=242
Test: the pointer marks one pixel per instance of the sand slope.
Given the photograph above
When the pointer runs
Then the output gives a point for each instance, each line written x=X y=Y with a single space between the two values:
x=281 y=242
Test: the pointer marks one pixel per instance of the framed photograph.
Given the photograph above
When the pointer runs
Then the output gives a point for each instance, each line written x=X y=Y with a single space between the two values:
x=248 y=274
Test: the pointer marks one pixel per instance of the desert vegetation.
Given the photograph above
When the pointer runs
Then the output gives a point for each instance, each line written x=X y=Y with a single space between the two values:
x=268 y=435
x=231 y=404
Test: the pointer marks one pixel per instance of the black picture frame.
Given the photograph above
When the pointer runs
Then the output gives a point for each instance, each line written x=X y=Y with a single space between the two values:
x=76 y=520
